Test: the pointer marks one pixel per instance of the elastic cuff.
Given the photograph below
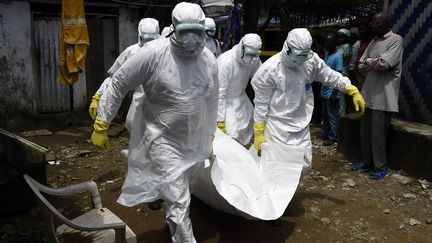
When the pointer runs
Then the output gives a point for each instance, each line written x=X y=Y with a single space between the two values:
x=101 y=124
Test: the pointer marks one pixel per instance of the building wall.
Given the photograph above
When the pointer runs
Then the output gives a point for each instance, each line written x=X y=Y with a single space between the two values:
x=128 y=27
x=80 y=94
x=19 y=90
x=413 y=21
x=18 y=86
x=110 y=42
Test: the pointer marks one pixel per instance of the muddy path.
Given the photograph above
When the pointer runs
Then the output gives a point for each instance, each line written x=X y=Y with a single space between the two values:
x=332 y=204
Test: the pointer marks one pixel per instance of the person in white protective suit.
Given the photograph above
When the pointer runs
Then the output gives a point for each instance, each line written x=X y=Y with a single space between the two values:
x=211 y=41
x=179 y=77
x=236 y=67
x=148 y=30
x=165 y=31
x=283 y=95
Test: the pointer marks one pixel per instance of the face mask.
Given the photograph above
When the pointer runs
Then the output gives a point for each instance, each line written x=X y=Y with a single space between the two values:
x=146 y=37
x=299 y=56
x=190 y=36
x=249 y=54
x=247 y=59
x=192 y=43
x=251 y=51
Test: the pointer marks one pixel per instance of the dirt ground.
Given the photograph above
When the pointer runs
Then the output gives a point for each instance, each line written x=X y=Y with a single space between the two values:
x=332 y=204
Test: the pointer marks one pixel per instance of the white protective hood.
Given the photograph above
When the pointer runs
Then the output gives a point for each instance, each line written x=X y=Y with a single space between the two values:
x=299 y=38
x=251 y=40
x=209 y=24
x=165 y=31
x=148 y=26
x=186 y=13
x=212 y=43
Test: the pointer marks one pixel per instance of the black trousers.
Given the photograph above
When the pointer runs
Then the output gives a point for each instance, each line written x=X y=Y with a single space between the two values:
x=374 y=127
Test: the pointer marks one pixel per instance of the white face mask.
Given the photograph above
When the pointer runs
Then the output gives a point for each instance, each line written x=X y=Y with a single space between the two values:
x=190 y=36
x=248 y=59
x=147 y=37
x=249 y=54
x=297 y=59
x=299 y=56
x=191 y=43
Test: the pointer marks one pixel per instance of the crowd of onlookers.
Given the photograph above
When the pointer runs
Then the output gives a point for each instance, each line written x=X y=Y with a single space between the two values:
x=370 y=55
x=341 y=50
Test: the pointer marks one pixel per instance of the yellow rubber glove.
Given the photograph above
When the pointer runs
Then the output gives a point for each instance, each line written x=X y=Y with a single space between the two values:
x=357 y=98
x=99 y=136
x=221 y=126
x=259 y=137
x=94 y=105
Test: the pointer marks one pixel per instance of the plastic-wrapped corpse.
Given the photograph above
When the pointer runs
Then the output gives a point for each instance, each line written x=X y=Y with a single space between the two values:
x=239 y=182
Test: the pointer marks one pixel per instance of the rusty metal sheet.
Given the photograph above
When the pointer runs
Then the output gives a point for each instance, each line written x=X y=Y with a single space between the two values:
x=53 y=96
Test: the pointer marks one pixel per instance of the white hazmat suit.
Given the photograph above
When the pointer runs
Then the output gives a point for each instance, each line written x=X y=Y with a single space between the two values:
x=165 y=31
x=284 y=97
x=179 y=78
x=148 y=29
x=235 y=109
x=211 y=42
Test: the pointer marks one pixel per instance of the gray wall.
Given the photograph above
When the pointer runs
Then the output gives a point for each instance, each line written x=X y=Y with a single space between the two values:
x=18 y=87
x=110 y=42
x=80 y=93
x=128 y=27
x=19 y=90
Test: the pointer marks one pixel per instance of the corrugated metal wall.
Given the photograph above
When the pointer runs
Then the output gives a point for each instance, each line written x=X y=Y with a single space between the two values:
x=53 y=96
x=413 y=21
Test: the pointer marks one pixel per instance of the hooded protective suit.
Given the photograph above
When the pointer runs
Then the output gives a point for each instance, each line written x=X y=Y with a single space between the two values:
x=165 y=31
x=177 y=123
x=284 y=97
x=148 y=29
x=211 y=42
x=235 y=109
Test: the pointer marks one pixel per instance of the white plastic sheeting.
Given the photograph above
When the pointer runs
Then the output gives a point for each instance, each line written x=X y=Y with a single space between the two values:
x=239 y=182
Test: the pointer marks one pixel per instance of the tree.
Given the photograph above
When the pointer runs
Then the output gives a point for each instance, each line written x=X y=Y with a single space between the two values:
x=303 y=13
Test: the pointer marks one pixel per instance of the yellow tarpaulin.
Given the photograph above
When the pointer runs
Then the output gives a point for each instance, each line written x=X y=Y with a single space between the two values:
x=74 y=41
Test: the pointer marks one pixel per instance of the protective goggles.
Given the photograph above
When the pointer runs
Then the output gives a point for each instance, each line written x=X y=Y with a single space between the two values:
x=251 y=51
x=211 y=32
x=304 y=54
x=148 y=36
x=187 y=31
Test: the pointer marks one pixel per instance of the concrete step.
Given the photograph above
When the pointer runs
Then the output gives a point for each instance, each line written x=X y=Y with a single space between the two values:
x=409 y=144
